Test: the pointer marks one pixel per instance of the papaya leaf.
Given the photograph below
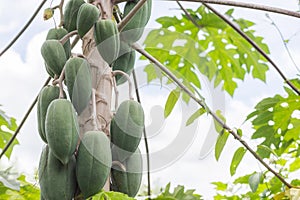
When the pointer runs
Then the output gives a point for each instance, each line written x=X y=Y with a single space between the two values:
x=254 y=181
x=221 y=141
x=219 y=127
x=171 y=102
x=236 y=159
x=215 y=50
x=195 y=116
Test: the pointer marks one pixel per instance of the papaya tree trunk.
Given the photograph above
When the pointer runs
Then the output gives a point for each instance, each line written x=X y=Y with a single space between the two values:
x=101 y=82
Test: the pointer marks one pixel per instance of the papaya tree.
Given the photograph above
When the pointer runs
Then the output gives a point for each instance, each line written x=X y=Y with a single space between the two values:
x=92 y=141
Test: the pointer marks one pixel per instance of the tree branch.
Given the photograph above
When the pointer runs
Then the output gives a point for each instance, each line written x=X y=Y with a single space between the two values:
x=128 y=17
x=24 y=28
x=22 y=122
x=250 y=41
x=138 y=48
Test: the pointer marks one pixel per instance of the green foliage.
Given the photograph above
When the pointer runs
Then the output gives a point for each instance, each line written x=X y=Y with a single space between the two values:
x=221 y=141
x=111 y=196
x=237 y=157
x=22 y=189
x=276 y=121
x=214 y=50
x=171 y=101
x=178 y=194
x=7 y=127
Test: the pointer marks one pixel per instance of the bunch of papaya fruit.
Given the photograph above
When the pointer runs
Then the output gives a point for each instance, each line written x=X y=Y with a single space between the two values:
x=74 y=164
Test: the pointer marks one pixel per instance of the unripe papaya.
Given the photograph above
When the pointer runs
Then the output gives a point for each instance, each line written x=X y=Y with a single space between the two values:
x=88 y=15
x=127 y=126
x=57 y=181
x=128 y=181
x=79 y=82
x=134 y=29
x=49 y=71
x=46 y=96
x=57 y=34
x=70 y=14
x=107 y=39
x=124 y=62
x=93 y=162
x=62 y=129
x=54 y=55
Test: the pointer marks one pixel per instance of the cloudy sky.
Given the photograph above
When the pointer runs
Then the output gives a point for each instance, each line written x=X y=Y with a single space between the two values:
x=22 y=73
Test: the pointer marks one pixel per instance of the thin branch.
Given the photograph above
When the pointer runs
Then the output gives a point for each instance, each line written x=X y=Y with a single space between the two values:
x=284 y=43
x=22 y=122
x=144 y=133
x=24 y=28
x=67 y=36
x=59 y=81
x=128 y=17
x=138 y=48
x=188 y=15
x=260 y=50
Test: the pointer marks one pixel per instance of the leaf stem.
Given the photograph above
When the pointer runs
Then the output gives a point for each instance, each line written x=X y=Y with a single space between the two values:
x=138 y=48
x=59 y=81
x=145 y=135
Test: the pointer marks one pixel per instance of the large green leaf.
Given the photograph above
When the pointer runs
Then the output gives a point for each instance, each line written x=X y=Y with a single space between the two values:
x=171 y=102
x=221 y=141
x=275 y=121
x=214 y=49
x=236 y=159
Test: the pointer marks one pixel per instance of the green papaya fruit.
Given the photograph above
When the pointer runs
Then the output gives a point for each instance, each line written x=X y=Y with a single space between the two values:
x=46 y=96
x=127 y=126
x=128 y=181
x=57 y=34
x=70 y=14
x=134 y=29
x=93 y=162
x=57 y=181
x=88 y=15
x=79 y=82
x=124 y=62
x=62 y=129
x=54 y=55
x=49 y=71
x=107 y=39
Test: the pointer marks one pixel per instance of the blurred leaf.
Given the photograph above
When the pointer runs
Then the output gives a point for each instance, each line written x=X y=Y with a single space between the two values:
x=221 y=141
x=110 y=195
x=178 y=194
x=219 y=127
x=254 y=181
x=237 y=157
x=295 y=165
x=171 y=101
x=220 y=186
x=195 y=116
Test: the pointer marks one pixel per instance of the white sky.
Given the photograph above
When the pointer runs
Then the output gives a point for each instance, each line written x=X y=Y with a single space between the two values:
x=22 y=73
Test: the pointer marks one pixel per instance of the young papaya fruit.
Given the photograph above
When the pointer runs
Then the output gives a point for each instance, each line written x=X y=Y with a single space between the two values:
x=88 y=15
x=57 y=34
x=54 y=55
x=124 y=62
x=79 y=82
x=134 y=29
x=93 y=162
x=46 y=96
x=62 y=129
x=127 y=126
x=128 y=180
x=107 y=39
x=57 y=181
x=70 y=14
